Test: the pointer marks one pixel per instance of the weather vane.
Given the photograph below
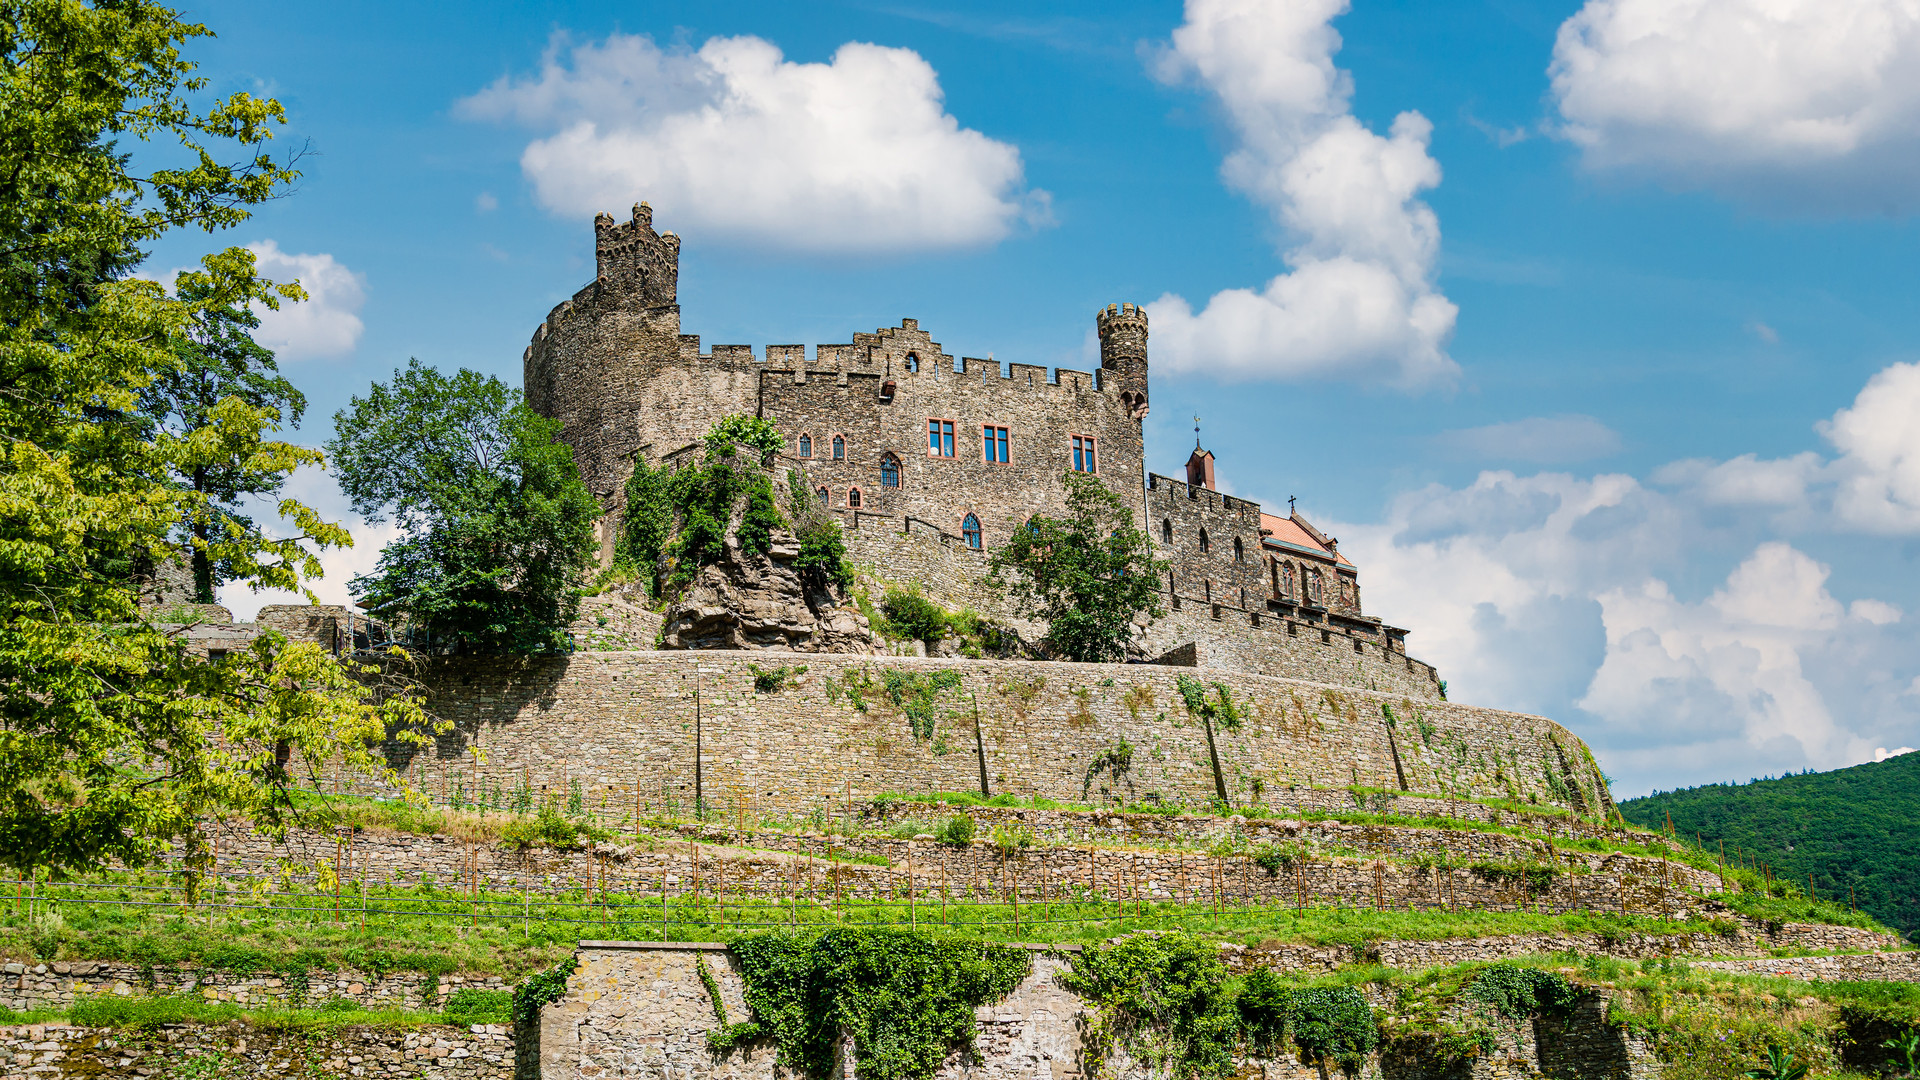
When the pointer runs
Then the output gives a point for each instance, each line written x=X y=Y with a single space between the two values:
x=1196 y=433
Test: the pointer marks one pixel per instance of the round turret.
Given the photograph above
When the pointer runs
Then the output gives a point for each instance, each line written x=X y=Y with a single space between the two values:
x=1123 y=351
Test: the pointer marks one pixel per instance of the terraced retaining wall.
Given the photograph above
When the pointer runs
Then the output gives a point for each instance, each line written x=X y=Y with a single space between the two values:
x=778 y=866
x=623 y=726
x=31 y=1052
x=56 y=985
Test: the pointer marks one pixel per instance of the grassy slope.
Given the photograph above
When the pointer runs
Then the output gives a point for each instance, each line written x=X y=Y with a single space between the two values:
x=1857 y=827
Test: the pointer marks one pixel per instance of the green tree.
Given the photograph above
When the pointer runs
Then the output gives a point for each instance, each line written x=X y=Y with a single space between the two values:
x=1086 y=574
x=114 y=738
x=217 y=358
x=498 y=525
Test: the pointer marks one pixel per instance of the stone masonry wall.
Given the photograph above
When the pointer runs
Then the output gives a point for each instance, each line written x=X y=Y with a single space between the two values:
x=624 y=719
x=31 y=1052
x=778 y=866
x=637 y=1010
x=56 y=984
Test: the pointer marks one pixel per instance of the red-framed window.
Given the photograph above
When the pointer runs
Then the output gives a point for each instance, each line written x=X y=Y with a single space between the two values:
x=940 y=438
x=839 y=448
x=1084 y=455
x=806 y=445
x=994 y=444
x=853 y=498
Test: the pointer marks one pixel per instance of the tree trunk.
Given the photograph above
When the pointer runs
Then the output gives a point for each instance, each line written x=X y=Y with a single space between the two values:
x=1213 y=755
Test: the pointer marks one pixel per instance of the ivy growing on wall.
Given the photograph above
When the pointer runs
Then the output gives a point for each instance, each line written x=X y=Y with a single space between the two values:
x=906 y=998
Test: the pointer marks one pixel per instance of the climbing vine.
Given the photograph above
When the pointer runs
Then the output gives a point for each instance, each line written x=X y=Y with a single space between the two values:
x=540 y=990
x=907 y=999
x=917 y=695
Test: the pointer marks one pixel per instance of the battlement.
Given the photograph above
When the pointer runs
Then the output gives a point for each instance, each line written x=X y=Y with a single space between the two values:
x=636 y=258
x=1118 y=316
x=1180 y=489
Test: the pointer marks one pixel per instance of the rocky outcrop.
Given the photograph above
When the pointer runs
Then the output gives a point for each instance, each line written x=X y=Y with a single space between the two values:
x=753 y=601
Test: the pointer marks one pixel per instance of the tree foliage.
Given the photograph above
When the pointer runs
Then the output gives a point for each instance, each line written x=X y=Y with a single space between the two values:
x=678 y=520
x=1086 y=574
x=498 y=525
x=217 y=359
x=114 y=738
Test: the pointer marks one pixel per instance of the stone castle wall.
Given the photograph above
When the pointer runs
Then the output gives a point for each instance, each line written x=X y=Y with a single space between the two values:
x=624 y=718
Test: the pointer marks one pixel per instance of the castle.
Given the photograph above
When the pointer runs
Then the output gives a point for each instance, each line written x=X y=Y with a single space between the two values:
x=931 y=460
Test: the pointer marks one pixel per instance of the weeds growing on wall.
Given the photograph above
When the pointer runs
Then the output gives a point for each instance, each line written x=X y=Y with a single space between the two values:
x=775 y=679
x=906 y=998
x=1116 y=761
x=917 y=695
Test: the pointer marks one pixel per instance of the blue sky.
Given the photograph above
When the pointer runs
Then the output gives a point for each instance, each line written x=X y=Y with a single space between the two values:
x=1585 y=326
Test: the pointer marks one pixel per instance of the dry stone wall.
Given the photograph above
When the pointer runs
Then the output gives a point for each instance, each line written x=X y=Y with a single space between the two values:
x=625 y=722
x=57 y=984
x=1269 y=640
x=31 y=1052
x=778 y=866
x=1885 y=966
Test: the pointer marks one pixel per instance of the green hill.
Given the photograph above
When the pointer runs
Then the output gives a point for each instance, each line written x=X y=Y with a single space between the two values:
x=1856 y=827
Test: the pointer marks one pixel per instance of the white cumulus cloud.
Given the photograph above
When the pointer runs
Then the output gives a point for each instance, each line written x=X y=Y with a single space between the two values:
x=327 y=322
x=1359 y=299
x=1878 y=472
x=734 y=141
x=1809 y=105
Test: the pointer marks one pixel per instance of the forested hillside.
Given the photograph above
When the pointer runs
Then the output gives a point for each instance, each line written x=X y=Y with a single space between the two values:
x=1857 y=827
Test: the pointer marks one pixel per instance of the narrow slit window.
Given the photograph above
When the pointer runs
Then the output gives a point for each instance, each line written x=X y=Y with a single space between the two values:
x=994 y=441
x=1239 y=552
x=940 y=438
x=1205 y=544
x=970 y=530
x=1166 y=530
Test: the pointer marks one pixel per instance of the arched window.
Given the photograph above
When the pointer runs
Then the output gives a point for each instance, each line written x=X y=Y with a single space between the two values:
x=1286 y=581
x=839 y=448
x=1239 y=553
x=826 y=497
x=913 y=362
x=806 y=446
x=1314 y=593
x=1206 y=589
x=1273 y=566
x=1205 y=545
x=1243 y=598
x=853 y=498
x=889 y=470
x=1166 y=530
x=970 y=529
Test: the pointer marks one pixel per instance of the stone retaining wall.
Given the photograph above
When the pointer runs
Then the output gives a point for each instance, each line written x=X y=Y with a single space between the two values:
x=641 y=1011
x=1891 y=967
x=778 y=866
x=1158 y=828
x=622 y=725
x=56 y=984
x=31 y=1052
